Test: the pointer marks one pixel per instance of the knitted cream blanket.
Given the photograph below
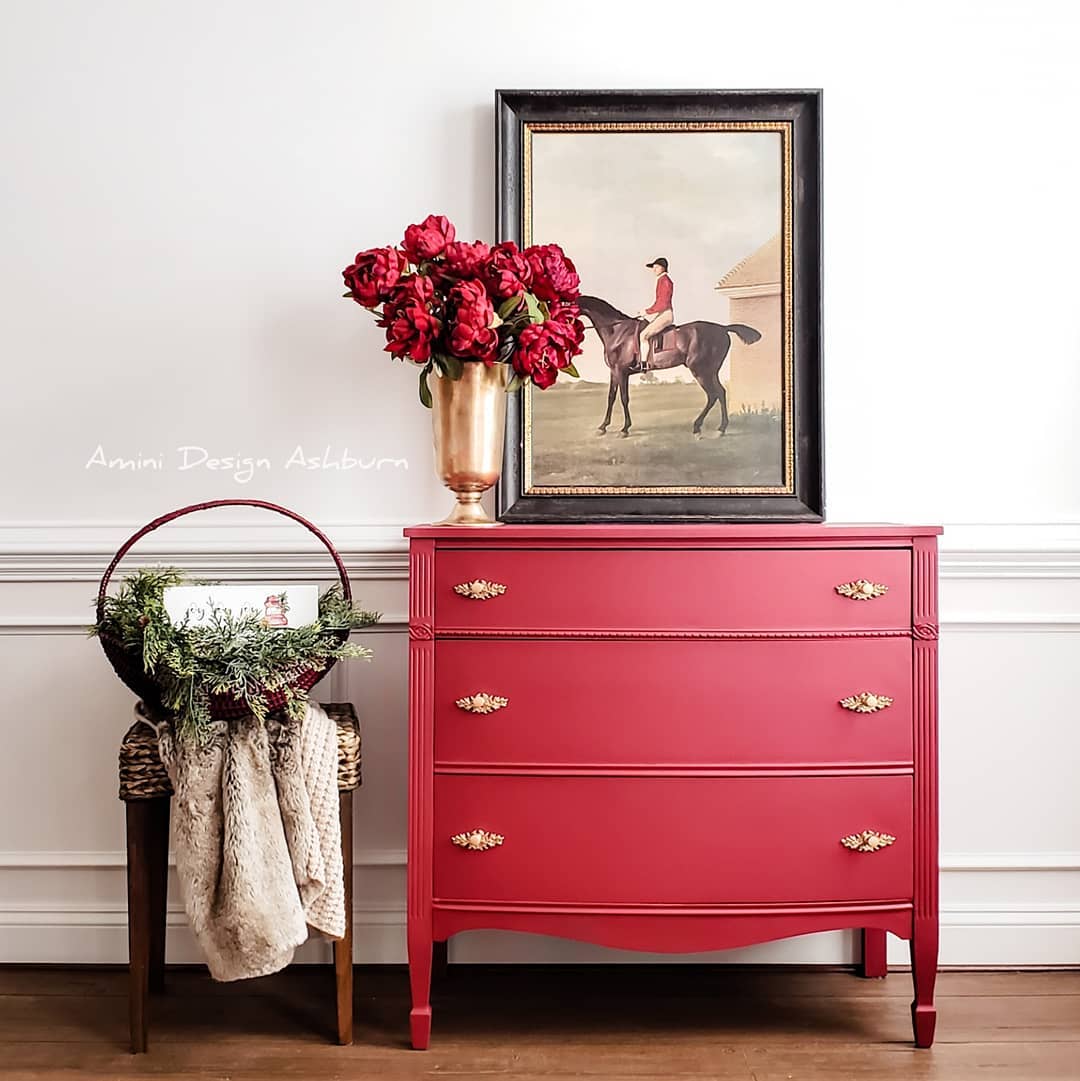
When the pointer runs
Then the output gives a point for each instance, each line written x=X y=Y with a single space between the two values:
x=257 y=838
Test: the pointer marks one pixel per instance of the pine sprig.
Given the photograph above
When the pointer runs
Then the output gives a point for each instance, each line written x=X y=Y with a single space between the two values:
x=237 y=656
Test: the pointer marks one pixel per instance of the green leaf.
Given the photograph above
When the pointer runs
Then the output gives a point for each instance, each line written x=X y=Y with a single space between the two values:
x=234 y=655
x=425 y=390
x=452 y=367
x=570 y=369
x=536 y=314
x=515 y=384
x=506 y=308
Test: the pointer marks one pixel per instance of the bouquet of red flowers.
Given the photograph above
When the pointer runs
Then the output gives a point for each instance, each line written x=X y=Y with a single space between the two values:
x=444 y=303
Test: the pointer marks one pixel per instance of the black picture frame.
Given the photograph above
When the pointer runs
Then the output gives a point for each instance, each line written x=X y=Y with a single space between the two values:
x=798 y=111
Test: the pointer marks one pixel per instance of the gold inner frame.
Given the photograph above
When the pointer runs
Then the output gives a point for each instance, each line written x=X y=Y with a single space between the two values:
x=784 y=128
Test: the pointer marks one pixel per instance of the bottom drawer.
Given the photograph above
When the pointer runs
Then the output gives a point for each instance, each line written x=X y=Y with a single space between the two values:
x=672 y=840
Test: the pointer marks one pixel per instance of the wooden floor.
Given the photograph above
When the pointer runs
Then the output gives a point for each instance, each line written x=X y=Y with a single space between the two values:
x=555 y=1022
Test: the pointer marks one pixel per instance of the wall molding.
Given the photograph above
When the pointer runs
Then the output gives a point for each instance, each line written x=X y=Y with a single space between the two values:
x=114 y=858
x=80 y=551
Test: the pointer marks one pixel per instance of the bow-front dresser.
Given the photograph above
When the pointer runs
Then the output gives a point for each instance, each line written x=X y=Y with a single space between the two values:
x=674 y=738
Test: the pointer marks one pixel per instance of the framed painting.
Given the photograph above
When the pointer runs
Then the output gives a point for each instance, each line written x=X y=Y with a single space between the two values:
x=694 y=221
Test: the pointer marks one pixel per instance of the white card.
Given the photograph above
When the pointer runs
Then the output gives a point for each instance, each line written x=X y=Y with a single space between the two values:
x=276 y=605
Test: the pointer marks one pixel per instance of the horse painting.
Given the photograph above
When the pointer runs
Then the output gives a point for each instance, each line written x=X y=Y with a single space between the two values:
x=702 y=347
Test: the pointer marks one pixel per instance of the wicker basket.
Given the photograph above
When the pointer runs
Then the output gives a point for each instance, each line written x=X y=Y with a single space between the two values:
x=222 y=707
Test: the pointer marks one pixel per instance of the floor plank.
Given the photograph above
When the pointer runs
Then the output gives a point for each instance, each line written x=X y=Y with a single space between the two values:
x=509 y=1023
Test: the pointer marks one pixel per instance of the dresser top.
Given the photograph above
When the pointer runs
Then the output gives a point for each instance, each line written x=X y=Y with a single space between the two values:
x=704 y=532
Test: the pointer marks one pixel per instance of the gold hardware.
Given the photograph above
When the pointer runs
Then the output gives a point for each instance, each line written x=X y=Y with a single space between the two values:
x=477 y=840
x=862 y=590
x=482 y=702
x=867 y=702
x=480 y=589
x=867 y=841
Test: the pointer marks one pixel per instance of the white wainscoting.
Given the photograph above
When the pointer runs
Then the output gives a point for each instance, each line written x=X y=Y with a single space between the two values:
x=1010 y=599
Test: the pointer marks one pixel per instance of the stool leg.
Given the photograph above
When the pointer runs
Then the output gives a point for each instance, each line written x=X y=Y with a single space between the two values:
x=138 y=878
x=343 y=950
x=159 y=889
x=440 y=960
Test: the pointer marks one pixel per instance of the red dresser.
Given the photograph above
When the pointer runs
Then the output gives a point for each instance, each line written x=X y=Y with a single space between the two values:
x=674 y=738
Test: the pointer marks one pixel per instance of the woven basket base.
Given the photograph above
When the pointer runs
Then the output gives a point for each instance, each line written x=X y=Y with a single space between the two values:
x=143 y=776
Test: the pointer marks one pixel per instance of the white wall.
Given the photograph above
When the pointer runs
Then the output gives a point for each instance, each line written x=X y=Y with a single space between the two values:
x=183 y=183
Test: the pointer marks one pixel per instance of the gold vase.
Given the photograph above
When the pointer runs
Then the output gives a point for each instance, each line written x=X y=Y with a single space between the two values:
x=468 y=416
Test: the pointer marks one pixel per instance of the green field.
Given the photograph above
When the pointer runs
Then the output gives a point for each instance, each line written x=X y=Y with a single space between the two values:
x=660 y=449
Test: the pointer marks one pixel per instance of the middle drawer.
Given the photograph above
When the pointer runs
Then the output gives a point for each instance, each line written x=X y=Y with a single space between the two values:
x=719 y=702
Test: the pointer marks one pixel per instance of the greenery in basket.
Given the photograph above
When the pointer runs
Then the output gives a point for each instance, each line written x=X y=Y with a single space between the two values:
x=238 y=656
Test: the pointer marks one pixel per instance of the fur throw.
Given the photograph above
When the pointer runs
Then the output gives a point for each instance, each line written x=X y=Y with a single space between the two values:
x=257 y=838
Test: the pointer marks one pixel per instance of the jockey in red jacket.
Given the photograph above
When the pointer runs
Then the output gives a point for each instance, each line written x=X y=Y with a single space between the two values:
x=659 y=314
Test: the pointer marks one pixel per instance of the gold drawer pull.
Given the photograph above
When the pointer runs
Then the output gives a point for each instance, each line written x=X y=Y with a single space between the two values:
x=479 y=589
x=862 y=590
x=867 y=841
x=867 y=702
x=482 y=702
x=477 y=840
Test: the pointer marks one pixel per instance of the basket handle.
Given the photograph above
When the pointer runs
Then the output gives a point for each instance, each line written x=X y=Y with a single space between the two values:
x=346 y=589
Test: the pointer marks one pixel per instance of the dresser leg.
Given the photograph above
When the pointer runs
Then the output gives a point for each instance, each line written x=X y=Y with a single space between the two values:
x=874 y=965
x=420 y=949
x=924 y=954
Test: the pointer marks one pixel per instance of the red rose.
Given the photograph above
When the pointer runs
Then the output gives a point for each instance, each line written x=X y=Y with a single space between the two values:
x=471 y=315
x=506 y=271
x=554 y=276
x=428 y=240
x=410 y=326
x=373 y=275
x=465 y=260
x=544 y=350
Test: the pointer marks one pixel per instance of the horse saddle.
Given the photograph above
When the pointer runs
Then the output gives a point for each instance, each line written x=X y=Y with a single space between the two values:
x=662 y=342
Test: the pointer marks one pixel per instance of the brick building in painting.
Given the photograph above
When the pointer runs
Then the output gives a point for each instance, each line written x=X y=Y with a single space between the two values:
x=754 y=375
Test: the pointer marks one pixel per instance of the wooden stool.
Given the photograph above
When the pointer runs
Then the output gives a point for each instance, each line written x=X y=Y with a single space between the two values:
x=145 y=789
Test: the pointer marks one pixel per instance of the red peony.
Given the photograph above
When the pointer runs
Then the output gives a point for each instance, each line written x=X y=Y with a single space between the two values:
x=410 y=327
x=373 y=275
x=544 y=350
x=554 y=276
x=438 y=298
x=428 y=240
x=465 y=260
x=572 y=334
x=470 y=322
x=507 y=271
x=568 y=315
x=415 y=288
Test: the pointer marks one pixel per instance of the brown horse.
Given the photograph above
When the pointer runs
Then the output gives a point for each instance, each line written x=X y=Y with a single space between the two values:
x=702 y=347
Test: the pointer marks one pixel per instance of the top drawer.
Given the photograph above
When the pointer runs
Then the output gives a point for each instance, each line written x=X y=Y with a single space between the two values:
x=642 y=590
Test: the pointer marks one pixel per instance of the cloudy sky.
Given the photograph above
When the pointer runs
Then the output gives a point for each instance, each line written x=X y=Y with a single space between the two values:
x=615 y=201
